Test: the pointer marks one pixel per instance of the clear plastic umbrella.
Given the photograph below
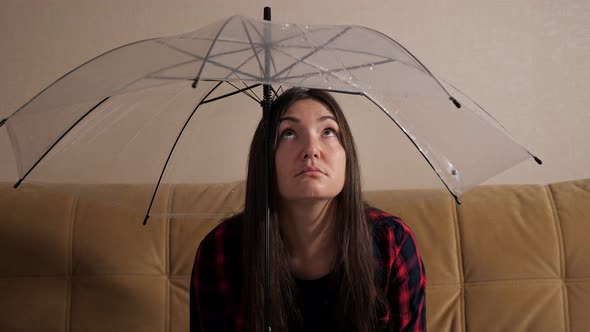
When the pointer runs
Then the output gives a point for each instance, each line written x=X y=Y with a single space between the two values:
x=141 y=114
x=461 y=142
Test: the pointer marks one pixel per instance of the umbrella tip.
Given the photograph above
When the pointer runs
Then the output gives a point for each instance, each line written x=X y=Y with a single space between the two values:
x=456 y=102
x=147 y=216
x=16 y=185
x=2 y=122
x=539 y=161
x=267 y=13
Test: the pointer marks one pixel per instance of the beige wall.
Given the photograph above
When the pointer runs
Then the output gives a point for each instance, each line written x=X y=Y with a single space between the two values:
x=527 y=62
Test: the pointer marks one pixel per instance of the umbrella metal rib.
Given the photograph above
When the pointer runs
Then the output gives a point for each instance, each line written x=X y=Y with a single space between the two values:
x=204 y=60
x=209 y=52
x=270 y=46
x=72 y=71
x=253 y=48
x=314 y=51
x=147 y=215
x=247 y=90
x=330 y=71
x=323 y=70
x=16 y=185
x=372 y=100
x=243 y=90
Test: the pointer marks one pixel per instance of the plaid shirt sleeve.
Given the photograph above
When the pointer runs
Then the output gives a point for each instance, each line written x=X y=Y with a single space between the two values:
x=215 y=284
x=400 y=272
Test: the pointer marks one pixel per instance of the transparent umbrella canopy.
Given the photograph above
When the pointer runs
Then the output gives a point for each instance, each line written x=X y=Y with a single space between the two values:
x=116 y=118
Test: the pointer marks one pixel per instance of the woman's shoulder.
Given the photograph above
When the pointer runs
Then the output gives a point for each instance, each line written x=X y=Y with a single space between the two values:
x=228 y=231
x=388 y=227
x=379 y=218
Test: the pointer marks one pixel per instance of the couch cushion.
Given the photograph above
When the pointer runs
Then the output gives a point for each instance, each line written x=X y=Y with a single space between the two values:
x=512 y=257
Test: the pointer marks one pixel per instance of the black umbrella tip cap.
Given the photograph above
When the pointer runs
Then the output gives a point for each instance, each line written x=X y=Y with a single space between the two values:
x=267 y=13
x=539 y=161
x=16 y=185
x=147 y=216
x=2 y=122
x=456 y=102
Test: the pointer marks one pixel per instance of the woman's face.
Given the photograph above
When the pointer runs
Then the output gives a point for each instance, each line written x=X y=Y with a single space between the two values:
x=310 y=160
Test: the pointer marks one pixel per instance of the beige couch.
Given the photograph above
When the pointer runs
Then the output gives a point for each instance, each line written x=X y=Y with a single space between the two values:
x=510 y=258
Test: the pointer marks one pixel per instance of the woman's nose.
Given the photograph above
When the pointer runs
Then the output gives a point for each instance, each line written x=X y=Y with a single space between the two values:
x=311 y=149
x=310 y=155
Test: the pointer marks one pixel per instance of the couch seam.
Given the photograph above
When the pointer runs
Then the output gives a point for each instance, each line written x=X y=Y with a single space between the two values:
x=562 y=274
x=168 y=255
x=460 y=267
x=184 y=276
x=70 y=264
x=577 y=280
x=508 y=282
x=79 y=276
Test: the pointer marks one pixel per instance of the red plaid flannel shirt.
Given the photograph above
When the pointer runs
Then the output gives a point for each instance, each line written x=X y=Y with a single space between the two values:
x=216 y=292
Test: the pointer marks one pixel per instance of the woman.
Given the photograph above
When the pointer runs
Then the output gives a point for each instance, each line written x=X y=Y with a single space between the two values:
x=337 y=264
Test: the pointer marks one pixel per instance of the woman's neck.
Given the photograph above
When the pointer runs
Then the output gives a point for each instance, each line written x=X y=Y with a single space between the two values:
x=309 y=230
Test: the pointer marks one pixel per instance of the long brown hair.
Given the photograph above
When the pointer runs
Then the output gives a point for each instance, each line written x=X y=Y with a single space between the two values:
x=355 y=264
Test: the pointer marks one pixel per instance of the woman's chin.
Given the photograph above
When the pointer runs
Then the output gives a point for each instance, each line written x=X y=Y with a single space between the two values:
x=310 y=196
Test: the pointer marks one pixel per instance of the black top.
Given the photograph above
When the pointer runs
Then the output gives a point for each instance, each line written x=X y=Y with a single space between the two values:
x=317 y=299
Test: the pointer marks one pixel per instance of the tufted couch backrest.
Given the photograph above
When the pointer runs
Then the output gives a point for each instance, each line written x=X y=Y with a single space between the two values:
x=510 y=258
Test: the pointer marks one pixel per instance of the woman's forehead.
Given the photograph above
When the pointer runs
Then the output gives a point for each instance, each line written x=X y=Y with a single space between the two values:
x=307 y=107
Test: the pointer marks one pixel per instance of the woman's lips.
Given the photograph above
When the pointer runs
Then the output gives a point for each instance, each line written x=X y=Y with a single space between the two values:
x=311 y=171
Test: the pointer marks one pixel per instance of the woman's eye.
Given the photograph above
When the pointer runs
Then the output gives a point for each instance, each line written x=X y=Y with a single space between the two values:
x=288 y=133
x=329 y=132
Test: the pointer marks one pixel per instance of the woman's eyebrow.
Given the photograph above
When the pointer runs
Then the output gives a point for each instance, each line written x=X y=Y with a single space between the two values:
x=289 y=118
x=327 y=117
x=321 y=118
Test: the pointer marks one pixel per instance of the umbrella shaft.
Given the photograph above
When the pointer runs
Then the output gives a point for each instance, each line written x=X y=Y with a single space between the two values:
x=266 y=104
